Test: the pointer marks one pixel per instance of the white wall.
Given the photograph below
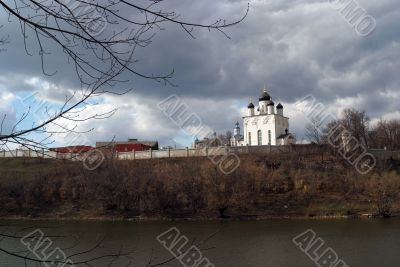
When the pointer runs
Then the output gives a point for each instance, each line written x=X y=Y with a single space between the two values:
x=263 y=107
x=275 y=123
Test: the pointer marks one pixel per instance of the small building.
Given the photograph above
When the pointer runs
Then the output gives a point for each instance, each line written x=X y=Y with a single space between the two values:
x=72 y=149
x=212 y=141
x=71 y=152
x=285 y=139
x=131 y=147
x=128 y=146
x=237 y=138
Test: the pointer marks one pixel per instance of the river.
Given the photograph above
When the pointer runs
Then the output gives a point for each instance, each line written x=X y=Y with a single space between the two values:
x=239 y=243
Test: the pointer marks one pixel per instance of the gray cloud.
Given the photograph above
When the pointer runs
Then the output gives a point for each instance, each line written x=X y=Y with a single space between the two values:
x=295 y=47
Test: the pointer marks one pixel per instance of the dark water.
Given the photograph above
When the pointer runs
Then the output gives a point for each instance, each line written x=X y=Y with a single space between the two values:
x=261 y=243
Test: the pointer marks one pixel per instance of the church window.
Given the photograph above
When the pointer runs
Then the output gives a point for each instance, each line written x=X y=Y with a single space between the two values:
x=259 y=137
x=269 y=137
x=249 y=138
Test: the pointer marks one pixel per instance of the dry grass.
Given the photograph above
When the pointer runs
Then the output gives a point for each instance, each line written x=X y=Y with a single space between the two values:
x=273 y=185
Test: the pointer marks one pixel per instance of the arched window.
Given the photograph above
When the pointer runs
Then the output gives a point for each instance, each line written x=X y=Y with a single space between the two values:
x=259 y=137
x=269 y=137
x=249 y=141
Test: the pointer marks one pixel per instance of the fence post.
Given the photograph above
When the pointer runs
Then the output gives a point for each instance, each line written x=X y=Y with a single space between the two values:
x=187 y=152
x=134 y=154
x=206 y=151
x=151 y=153
x=169 y=152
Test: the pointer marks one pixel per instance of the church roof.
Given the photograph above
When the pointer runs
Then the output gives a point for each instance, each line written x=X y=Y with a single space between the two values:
x=251 y=105
x=279 y=106
x=264 y=96
x=270 y=103
x=130 y=141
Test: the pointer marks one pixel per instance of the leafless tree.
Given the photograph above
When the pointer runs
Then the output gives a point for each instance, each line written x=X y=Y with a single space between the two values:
x=314 y=130
x=100 y=39
x=384 y=191
x=352 y=122
x=357 y=123
x=32 y=246
x=386 y=134
x=225 y=138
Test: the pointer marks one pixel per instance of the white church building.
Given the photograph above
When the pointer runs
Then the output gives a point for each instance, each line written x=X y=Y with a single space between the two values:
x=265 y=125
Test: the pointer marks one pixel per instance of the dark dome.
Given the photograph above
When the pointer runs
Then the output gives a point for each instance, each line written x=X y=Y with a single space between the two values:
x=251 y=105
x=279 y=106
x=264 y=96
x=271 y=103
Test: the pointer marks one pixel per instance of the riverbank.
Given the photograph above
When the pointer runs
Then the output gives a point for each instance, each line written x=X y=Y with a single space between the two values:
x=307 y=186
x=198 y=219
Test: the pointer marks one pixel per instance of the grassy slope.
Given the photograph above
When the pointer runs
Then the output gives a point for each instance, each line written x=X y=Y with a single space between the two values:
x=262 y=186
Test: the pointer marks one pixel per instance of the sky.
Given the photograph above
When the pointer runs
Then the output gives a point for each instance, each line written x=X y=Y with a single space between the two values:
x=296 y=48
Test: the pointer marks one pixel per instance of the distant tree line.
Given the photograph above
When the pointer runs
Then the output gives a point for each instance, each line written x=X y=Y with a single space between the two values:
x=383 y=135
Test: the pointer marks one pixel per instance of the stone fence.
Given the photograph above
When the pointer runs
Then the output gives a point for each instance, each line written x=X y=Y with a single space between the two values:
x=200 y=152
x=149 y=154
x=191 y=152
x=46 y=154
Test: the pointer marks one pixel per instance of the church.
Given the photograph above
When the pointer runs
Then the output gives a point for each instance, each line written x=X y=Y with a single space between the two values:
x=265 y=125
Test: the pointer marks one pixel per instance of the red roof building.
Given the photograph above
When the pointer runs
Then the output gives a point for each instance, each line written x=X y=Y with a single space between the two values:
x=131 y=147
x=72 y=149
x=128 y=146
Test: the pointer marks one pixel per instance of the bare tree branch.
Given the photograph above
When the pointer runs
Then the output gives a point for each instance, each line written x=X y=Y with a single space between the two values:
x=100 y=38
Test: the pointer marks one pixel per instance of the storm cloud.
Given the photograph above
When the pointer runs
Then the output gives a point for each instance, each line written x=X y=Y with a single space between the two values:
x=296 y=48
